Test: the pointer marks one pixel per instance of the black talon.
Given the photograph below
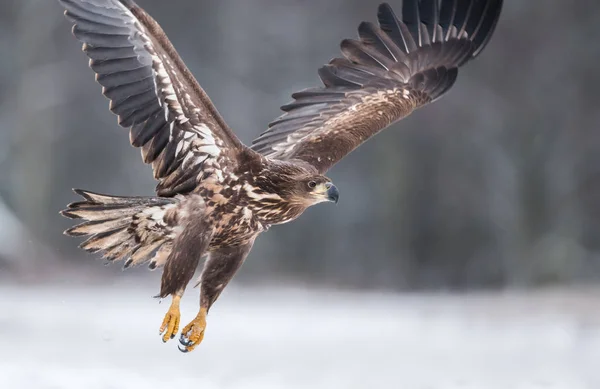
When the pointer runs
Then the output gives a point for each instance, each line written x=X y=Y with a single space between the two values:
x=183 y=350
x=172 y=336
x=184 y=341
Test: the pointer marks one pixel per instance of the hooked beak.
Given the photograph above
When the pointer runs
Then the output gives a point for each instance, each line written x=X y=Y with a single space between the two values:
x=332 y=192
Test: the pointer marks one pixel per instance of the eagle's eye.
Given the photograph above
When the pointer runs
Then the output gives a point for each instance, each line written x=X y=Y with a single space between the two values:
x=312 y=184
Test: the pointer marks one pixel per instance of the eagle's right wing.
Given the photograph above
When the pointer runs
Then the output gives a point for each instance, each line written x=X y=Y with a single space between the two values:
x=154 y=94
x=396 y=67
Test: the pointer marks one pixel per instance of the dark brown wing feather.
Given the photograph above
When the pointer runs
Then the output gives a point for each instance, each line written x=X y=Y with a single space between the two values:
x=154 y=94
x=395 y=67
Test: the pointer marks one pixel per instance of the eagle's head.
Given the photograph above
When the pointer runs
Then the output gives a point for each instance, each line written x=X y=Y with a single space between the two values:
x=311 y=189
x=299 y=186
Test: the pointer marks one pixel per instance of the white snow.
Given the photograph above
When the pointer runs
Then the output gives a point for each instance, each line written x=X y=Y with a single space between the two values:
x=106 y=337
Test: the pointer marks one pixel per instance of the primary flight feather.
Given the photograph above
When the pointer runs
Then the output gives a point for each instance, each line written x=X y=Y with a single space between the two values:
x=216 y=195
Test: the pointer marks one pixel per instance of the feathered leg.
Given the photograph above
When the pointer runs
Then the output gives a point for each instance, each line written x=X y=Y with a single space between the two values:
x=219 y=269
x=188 y=247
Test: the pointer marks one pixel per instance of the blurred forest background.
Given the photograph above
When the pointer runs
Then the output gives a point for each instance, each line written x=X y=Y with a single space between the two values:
x=497 y=184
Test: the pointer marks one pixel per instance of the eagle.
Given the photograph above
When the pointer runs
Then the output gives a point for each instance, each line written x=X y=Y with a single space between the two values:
x=214 y=194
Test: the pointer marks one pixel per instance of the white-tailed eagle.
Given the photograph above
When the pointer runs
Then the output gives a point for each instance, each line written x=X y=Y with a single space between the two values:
x=215 y=195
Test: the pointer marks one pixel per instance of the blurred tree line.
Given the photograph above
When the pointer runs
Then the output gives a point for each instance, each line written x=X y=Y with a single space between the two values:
x=497 y=184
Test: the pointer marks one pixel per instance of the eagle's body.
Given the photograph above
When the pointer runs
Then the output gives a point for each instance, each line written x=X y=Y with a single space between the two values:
x=214 y=194
x=249 y=197
x=241 y=204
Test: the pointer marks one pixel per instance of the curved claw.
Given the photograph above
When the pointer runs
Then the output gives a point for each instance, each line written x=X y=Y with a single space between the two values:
x=193 y=333
x=185 y=341
x=183 y=349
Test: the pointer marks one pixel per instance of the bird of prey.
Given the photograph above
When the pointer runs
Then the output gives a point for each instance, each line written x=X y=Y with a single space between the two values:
x=215 y=195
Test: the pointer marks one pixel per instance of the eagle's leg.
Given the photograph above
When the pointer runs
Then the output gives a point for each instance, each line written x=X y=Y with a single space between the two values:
x=188 y=247
x=170 y=324
x=219 y=269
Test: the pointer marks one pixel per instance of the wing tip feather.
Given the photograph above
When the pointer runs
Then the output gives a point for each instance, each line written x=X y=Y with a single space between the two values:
x=421 y=47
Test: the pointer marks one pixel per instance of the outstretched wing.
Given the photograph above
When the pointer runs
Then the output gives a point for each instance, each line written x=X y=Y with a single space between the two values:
x=154 y=94
x=394 y=68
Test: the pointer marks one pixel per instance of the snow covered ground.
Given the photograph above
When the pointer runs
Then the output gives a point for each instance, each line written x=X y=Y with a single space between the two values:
x=106 y=337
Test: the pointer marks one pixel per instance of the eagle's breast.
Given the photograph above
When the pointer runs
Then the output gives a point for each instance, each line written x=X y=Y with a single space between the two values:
x=240 y=209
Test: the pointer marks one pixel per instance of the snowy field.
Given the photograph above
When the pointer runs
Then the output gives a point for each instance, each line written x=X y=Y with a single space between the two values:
x=106 y=337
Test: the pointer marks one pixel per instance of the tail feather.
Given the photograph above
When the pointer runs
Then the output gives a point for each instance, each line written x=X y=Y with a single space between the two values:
x=95 y=226
x=99 y=198
x=106 y=240
x=133 y=229
x=160 y=258
x=120 y=252
x=140 y=255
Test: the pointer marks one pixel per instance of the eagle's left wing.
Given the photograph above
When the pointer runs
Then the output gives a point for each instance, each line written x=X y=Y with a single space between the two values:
x=395 y=68
x=154 y=94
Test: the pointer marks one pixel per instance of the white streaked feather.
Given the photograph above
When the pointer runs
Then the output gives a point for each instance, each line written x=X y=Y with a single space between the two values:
x=198 y=146
x=209 y=149
x=250 y=192
x=204 y=130
x=187 y=158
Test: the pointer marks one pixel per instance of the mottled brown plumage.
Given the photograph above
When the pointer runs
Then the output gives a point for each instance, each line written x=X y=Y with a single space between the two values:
x=214 y=194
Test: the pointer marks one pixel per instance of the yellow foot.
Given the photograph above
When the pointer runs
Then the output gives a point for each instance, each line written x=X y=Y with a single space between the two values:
x=193 y=333
x=170 y=324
